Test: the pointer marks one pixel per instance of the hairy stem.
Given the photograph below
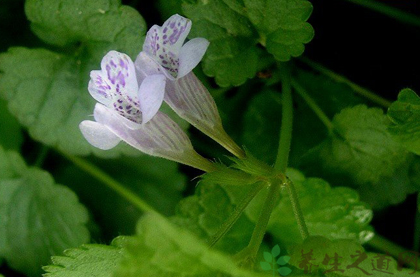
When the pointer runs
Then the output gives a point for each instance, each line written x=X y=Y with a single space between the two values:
x=341 y=79
x=227 y=225
x=297 y=210
x=313 y=105
x=248 y=255
x=389 y=11
x=264 y=217
x=286 y=121
x=109 y=182
x=284 y=148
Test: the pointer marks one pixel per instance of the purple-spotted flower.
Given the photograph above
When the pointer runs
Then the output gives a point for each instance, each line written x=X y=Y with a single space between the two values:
x=165 y=54
x=119 y=114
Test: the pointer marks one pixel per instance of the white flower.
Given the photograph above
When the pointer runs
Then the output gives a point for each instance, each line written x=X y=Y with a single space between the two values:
x=164 y=53
x=119 y=114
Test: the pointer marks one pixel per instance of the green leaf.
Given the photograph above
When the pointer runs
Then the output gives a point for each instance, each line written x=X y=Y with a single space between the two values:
x=362 y=153
x=47 y=90
x=205 y=211
x=162 y=249
x=158 y=181
x=234 y=28
x=167 y=8
x=405 y=116
x=331 y=212
x=268 y=257
x=282 y=23
x=283 y=260
x=10 y=130
x=39 y=217
x=414 y=173
x=262 y=118
x=284 y=271
x=331 y=97
x=262 y=125
x=348 y=252
x=265 y=266
x=93 y=260
x=275 y=251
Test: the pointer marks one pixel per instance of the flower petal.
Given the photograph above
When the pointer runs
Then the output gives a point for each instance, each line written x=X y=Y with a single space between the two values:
x=160 y=137
x=120 y=74
x=190 y=99
x=164 y=43
x=151 y=94
x=99 y=87
x=146 y=66
x=123 y=120
x=191 y=54
x=98 y=135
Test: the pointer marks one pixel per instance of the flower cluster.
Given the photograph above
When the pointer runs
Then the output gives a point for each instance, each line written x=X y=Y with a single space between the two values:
x=130 y=95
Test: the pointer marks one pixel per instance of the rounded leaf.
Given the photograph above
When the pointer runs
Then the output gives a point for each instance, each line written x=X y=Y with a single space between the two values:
x=283 y=260
x=268 y=257
x=265 y=266
x=284 y=271
x=275 y=251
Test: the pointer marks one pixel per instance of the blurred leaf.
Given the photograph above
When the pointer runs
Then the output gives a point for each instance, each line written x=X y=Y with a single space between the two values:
x=275 y=251
x=414 y=172
x=93 y=260
x=265 y=266
x=405 y=116
x=158 y=181
x=204 y=213
x=38 y=217
x=162 y=249
x=331 y=97
x=262 y=125
x=330 y=212
x=361 y=153
x=46 y=90
x=11 y=135
x=268 y=257
x=234 y=28
x=348 y=253
x=167 y=8
x=283 y=260
x=262 y=118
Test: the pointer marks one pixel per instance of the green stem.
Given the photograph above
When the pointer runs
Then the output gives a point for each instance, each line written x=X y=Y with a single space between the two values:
x=248 y=255
x=284 y=147
x=109 y=182
x=380 y=243
x=227 y=225
x=286 y=121
x=43 y=153
x=341 y=79
x=297 y=210
x=389 y=11
x=264 y=217
x=313 y=105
